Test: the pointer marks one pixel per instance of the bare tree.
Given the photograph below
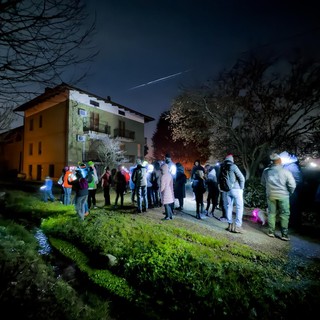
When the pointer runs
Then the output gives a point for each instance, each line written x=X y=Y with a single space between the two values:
x=251 y=109
x=110 y=152
x=40 y=40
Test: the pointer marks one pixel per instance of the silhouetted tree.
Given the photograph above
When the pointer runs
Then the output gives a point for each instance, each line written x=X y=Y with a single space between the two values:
x=39 y=39
x=251 y=109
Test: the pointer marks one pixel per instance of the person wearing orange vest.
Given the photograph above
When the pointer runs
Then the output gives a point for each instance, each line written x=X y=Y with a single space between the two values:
x=67 y=187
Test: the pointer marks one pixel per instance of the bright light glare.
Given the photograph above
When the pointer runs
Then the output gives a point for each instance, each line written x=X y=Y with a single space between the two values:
x=313 y=164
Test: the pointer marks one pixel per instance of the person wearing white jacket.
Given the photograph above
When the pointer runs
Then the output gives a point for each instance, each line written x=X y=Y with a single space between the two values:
x=167 y=193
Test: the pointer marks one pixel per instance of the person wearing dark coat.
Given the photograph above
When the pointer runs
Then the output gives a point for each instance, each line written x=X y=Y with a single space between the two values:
x=213 y=189
x=180 y=185
x=199 y=188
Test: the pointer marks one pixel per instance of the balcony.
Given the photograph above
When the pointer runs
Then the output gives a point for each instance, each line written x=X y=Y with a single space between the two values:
x=101 y=128
x=127 y=134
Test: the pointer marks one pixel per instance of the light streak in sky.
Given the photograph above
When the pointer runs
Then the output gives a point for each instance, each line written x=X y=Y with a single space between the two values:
x=158 y=80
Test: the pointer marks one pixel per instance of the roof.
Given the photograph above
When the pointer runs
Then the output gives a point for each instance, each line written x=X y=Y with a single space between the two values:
x=51 y=92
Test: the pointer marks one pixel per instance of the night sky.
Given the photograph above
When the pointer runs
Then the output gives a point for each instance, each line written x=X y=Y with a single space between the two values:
x=187 y=41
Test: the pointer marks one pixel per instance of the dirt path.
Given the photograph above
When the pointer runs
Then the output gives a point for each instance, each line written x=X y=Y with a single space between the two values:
x=300 y=247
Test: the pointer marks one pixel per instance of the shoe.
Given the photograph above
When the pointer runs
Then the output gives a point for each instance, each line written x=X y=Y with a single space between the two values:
x=166 y=218
x=86 y=214
x=223 y=219
x=95 y=207
x=284 y=237
x=229 y=228
x=237 y=230
x=139 y=211
x=270 y=234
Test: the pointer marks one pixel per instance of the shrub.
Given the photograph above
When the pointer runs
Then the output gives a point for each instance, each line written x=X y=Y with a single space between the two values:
x=254 y=194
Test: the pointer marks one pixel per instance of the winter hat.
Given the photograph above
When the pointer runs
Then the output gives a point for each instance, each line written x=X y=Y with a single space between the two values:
x=229 y=157
x=90 y=163
x=274 y=156
x=66 y=168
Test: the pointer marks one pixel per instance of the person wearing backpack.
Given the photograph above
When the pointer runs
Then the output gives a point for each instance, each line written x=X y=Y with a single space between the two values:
x=231 y=183
x=139 y=178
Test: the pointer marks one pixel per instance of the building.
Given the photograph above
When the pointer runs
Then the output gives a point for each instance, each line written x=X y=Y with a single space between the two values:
x=63 y=125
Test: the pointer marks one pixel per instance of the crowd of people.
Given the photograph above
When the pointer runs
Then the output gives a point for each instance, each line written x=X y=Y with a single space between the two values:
x=163 y=184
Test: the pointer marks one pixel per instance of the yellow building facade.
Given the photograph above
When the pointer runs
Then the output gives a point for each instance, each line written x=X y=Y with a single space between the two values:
x=62 y=126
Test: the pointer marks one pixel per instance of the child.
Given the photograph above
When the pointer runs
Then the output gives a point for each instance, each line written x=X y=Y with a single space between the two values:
x=47 y=189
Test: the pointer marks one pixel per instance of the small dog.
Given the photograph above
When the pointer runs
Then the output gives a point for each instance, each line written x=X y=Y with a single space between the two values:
x=260 y=215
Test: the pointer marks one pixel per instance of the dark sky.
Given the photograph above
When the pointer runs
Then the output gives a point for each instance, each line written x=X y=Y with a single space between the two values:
x=141 y=41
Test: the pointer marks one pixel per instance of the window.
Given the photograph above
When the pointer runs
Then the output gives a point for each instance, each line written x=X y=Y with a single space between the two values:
x=82 y=112
x=51 y=170
x=39 y=147
x=31 y=125
x=122 y=113
x=122 y=128
x=40 y=121
x=94 y=103
x=30 y=149
x=94 y=121
x=30 y=170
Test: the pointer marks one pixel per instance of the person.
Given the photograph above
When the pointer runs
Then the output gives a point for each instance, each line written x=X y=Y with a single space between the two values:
x=180 y=186
x=120 y=183
x=105 y=184
x=171 y=166
x=60 y=183
x=67 y=186
x=93 y=180
x=166 y=190
x=213 y=190
x=149 y=185
x=139 y=178
x=199 y=188
x=47 y=190
x=131 y=185
x=126 y=174
x=291 y=162
x=80 y=185
x=155 y=179
x=196 y=166
x=231 y=183
x=279 y=184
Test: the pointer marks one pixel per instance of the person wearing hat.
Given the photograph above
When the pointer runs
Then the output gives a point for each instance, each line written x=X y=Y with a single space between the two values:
x=279 y=184
x=231 y=183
